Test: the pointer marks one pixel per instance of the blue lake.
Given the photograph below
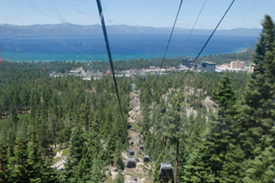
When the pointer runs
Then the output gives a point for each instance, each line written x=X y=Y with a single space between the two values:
x=129 y=46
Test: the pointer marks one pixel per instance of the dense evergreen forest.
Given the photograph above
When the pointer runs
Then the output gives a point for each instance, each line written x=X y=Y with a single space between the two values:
x=243 y=152
x=41 y=114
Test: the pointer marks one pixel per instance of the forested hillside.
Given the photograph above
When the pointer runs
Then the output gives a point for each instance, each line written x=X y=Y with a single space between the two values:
x=234 y=142
x=211 y=127
x=39 y=112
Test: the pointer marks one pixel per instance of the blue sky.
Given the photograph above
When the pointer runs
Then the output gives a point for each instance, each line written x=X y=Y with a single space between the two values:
x=156 y=13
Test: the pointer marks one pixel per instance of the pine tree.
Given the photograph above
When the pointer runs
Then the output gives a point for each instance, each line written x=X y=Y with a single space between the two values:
x=54 y=125
x=18 y=164
x=173 y=125
x=260 y=90
x=81 y=171
x=95 y=173
x=74 y=156
x=218 y=150
x=146 y=121
x=3 y=163
x=118 y=158
x=76 y=145
x=34 y=160
x=48 y=173
x=111 y=146
x=119 y=178
x=193 y=170
x=262 y=168
x=225 y=97
x=234 y=165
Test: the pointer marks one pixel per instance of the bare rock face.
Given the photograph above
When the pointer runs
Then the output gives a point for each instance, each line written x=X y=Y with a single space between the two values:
x=115 y=169
x=60 y=164
x=142 y=180
x=105 y=170
x=130 y=179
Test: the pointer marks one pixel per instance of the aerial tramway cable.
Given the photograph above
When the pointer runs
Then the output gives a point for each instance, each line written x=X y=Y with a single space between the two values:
x=205 y=44
x=109 y=52
x=209 y=38
x=191 y=31
x=111 y=63
x=171 y=34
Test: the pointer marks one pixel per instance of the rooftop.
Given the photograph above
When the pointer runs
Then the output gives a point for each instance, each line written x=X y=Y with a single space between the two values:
x=208 y=62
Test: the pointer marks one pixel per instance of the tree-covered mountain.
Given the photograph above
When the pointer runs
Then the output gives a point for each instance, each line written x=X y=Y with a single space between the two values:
x=67 y=28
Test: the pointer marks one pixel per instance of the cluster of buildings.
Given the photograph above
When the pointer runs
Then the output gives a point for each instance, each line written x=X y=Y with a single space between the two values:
x=208 y=66
x=187 y=63
x=234 y=66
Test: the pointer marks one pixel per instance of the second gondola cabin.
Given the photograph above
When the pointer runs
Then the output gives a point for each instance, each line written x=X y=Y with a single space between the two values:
x=146 y=158
x=131 y=152
x=166 y=171
x=131 y=163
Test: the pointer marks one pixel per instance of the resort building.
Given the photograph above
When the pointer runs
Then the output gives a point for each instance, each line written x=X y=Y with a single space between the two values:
x=207 y=66
x=237 y=64
x=189 y=63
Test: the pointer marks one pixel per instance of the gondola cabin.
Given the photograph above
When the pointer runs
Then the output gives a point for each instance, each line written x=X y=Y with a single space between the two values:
x=141 y=147
x=146 y=158
x=166 y=171
x=131 y=152
x=132 y=142
x=131 y=163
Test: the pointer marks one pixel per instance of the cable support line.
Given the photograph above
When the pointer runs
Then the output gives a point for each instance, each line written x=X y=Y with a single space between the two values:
x=172 y=31
x=193 y=25
x=109 y=52
x=209 y=37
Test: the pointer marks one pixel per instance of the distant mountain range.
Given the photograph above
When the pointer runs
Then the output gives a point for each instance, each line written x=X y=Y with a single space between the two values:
x=67 y=28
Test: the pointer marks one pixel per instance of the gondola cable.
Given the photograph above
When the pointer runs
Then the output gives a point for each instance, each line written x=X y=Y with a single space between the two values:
x=171 y=34
x=205 y=44
x=209 y=38
x=191 y=31
x=109 y=52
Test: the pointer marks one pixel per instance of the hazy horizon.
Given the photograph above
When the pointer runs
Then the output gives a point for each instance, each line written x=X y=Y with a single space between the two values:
x=66 y=23
x=155 y=13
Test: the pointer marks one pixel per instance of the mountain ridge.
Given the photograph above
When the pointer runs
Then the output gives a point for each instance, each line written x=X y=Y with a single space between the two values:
x=67 y=28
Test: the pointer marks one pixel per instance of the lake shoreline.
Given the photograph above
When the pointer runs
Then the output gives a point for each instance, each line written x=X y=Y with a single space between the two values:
x=97 y=57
